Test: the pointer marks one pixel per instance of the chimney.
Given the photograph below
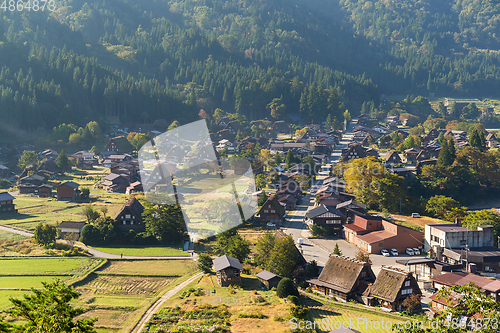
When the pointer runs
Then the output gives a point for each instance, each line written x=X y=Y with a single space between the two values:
x=457 y=222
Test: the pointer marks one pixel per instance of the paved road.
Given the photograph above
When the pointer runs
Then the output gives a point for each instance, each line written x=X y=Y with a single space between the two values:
x=295 y=225
x=96 y=253
x=16 y=231
x=157 y=305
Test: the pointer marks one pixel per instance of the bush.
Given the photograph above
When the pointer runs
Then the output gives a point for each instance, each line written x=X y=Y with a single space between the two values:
x=299 y=312
x=259 y=299
x=293 y=299
x=286 y=288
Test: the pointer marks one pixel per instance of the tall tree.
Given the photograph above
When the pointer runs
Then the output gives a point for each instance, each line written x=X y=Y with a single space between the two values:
x=284 y=257
x=444 y=158
x=165 y=222
x=264 y=247
x=62 y=161
x=45 y=234
x=28 y=157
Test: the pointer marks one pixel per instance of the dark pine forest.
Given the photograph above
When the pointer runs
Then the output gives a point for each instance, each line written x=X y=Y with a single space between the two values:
x=150 y=59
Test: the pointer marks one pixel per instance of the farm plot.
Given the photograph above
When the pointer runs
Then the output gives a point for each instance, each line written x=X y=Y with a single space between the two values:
x=150 y=267
x=330 y=318
x=17 y=276
x=111 y=319
x=47 y=266
x=127 y=285
x=121 y=290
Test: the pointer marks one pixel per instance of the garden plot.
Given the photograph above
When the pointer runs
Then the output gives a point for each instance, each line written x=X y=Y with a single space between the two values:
x=127 y=285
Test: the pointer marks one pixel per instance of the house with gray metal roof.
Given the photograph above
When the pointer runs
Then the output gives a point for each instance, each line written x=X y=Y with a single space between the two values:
x=228 y=271
x=7 y=203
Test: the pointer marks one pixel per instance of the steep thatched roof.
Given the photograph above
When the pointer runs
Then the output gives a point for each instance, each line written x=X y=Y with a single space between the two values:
x=388 y=283
x=342 y=272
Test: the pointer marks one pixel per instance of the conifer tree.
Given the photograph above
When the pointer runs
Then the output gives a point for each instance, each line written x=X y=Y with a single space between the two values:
x=444 y=157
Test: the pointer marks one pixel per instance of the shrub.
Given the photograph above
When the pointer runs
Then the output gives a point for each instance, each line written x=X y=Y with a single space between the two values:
x=255 y=315
x=293 y=299
x=286 y=288
x=259 y=299
x=299 y=312
x=308 y=290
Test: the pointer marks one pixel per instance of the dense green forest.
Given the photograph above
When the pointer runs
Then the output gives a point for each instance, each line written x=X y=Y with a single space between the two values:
x=150 y=59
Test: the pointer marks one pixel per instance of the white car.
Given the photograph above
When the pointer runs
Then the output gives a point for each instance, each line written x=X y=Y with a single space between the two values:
x=394 y=252
x=409 y=251
x=271 y=225
x=385 y=253
x=416 y=251
x=415 y=215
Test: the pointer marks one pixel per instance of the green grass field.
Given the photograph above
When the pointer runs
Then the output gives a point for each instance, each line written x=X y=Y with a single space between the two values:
x=27 y=282
x=47 y=266
x=4 y=297
x=144 y=251
x=330 y=318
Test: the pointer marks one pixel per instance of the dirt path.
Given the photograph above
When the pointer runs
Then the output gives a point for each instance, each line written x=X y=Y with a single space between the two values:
x=156 y=306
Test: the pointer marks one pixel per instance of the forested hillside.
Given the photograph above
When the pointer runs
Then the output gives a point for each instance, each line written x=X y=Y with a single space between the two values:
x=150 y=59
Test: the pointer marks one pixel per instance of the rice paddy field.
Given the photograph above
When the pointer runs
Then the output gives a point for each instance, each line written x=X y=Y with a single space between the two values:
x=19 y=275
x=119 y=292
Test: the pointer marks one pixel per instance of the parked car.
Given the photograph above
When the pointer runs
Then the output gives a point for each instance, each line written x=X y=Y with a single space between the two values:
x=415 y=215
x=300 y=241
x=416 y=251
x=271 y=225
x=409 y=251
x=394 y=252
x=390 y=218
x=385 y=253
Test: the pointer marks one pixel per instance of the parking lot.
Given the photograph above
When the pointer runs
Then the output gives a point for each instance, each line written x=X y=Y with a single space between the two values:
x=350 y=250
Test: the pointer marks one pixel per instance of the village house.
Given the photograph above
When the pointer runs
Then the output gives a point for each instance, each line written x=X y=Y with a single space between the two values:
x=373 y=234
x=268 y=280
x=488 y=286
x=68 y=228
x=392 y=157
x=350 y=208
x=289 y=201
x=354 y=151
x=325 y=216
x=68 y=191
x=45 y=191
x=115 y=183
x=411 y=154
x=423 y=155
x=391 y=287
x=120 y=145
x=129 y=217
x=427 y=267
x=87 y=159
x=455 y=244
x=135 y=187
x=4 y=171
x=7 y=203
x=491 y=140
x=343 y=278
x=228 y=270
x=272 y=211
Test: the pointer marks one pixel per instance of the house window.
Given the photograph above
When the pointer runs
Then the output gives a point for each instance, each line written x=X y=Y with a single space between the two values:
x=273 y=211
x=462 y=242
x=380 y=244
x=127 y=216
x=407 y=283
x=266 y=211
x=329 y=221
x=124 y=222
